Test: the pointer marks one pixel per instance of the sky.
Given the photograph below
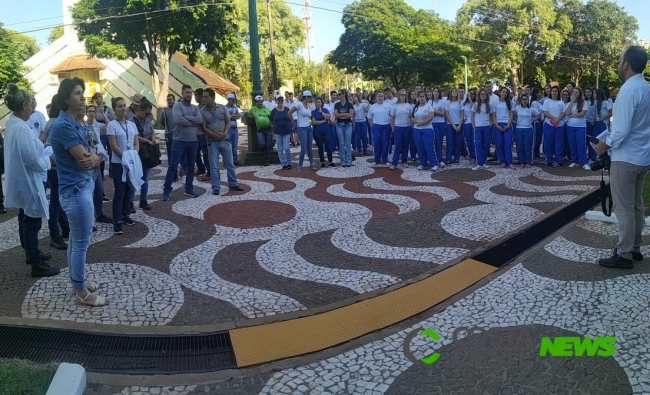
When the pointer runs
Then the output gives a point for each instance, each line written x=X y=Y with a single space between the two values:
x=325 y=14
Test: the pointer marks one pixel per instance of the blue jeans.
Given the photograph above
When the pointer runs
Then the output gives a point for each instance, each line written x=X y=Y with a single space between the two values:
x=203 y=165
x=553 y=143
x=224 y=148
x=402 y=143
x=233 y=137
x=468 y=140
x=323 y=143
x=438 y=135
x=380 y=142
x=144 y=189
x=482 y=138
x=424 y=142
x=284 y=148
x=538 y=127
x=123 y=194
x=344 y=134
x=524 y=138
x=306 y=136
x=361 y=135
x=98 y=193
x=334 y=139
x=264 y=142
x=77 y=201
x=503 y=142
x=57 y=215
x=28 y=228
x=577 y=144
x=180 y=150
x=454 y=142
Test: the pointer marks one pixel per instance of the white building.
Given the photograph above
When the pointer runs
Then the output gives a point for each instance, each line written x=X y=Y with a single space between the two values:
x=67 y=58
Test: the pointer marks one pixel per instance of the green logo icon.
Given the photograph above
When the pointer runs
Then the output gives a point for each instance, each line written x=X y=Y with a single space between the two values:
x=430 y=333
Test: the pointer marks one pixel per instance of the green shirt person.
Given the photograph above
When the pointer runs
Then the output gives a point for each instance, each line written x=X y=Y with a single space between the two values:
x=261 y=115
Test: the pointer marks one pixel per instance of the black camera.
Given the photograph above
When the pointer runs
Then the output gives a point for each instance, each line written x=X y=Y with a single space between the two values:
x=602 y=163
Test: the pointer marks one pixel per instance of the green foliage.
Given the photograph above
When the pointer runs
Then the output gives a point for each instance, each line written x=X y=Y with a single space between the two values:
x=55 y=34
x=601 y=32
x=147 y=29
x=289 y=37
x=15 y=48
x=390 y=41
x=505 y=35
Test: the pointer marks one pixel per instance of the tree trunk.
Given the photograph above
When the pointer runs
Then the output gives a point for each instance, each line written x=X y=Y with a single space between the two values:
x=514 y=76
x=161 y=95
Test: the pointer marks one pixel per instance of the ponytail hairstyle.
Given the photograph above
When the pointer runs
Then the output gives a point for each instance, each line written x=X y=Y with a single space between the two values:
x=16 y=98
x=479 y=101
x=116 y=100
x=417 y=105
x=600 y=98
x=469 y=94
x=590 y=100
x=55 y=109
x=581 y=100
x=533 y=95
x=507 y=100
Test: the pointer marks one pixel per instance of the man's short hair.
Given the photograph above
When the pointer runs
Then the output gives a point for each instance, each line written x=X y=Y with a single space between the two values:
x=198 y=91
x=488 y=82
x=172 y=96
x=334 y=93
x=185 y=87
x=210 y=92
x=637 y=57
x=145 y=105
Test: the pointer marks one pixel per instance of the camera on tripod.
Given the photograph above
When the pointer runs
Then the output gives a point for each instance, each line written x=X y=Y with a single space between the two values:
x=603 y=162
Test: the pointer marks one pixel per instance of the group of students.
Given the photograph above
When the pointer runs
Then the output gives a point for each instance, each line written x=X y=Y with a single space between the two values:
x=418 y=124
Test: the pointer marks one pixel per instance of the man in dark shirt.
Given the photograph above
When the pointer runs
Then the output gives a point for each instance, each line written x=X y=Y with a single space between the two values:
x=344 y=114
x=216 y=122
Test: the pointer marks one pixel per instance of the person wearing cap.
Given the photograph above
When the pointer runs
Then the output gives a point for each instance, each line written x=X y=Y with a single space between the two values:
x=132 y=110
x=301 y=122
x=261 y=115
x=233 y=132
x=282 y=125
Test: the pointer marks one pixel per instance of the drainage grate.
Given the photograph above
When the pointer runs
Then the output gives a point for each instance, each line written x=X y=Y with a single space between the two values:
x=509 y=249
x=124 y=354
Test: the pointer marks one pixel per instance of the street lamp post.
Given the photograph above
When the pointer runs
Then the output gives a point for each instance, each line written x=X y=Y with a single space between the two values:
x=465 y=59
x=254 y=155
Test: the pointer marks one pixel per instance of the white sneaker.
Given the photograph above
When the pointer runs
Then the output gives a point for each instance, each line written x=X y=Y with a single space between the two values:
x=420 y=167
x=442 y=164
x=434 y=168
x=477 y=168
x=572 y=165
x=586 y=167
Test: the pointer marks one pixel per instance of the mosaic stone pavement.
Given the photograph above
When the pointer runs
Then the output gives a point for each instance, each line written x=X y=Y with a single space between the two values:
x=289 y=242
x=548 y=294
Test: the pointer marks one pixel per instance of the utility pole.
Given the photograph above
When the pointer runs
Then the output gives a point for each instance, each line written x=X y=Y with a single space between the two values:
x=306 y=17
x=274 y=67
x=256 y=77
x=465 y=59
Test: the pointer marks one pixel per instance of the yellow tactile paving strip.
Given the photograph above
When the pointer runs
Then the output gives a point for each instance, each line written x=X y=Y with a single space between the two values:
x=271 y=342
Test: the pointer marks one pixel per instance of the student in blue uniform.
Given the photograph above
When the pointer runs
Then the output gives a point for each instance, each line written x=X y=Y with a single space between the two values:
x=481 y=123
x=526 y=116
x=438 y=123
x=468 y=132
x=454 y=129
x=553 y=134
x=576 y=128
x=423 y=132
x=502 y=120
x=379 y=121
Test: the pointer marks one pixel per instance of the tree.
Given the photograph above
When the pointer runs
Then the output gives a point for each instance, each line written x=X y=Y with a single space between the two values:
x=289 y=38
x=15 y=48
x=601 y=32
x=55 y=34
x=389 y=40
x=508 y=34
x=154 y=30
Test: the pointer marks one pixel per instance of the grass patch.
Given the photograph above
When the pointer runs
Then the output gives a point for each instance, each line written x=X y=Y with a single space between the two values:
x=18 y=377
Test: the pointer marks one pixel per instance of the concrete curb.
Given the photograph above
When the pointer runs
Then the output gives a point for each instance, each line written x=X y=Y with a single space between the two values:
x=599 y=216
x=70 y=379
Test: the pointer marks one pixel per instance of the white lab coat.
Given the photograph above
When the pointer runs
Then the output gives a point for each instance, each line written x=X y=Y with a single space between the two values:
x=24 y=162
x=132 y=165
